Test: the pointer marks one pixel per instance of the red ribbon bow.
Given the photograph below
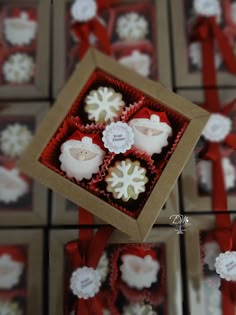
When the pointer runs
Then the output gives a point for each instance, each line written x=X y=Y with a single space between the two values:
x=87 y=252
x=82 y=30
x=213 y=152
x=226 y=238
x=207 y=32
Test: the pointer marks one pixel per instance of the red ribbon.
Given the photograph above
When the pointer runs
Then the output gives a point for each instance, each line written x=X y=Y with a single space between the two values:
x=207 y=32
x=226 y=238
x=87 y=252
x=213 y=151
x=82 y=30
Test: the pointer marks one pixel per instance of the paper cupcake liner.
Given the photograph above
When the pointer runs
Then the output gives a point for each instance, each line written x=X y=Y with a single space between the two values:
x=133 y=207
x=50 y=155
x=153 y=294
x=98 y=79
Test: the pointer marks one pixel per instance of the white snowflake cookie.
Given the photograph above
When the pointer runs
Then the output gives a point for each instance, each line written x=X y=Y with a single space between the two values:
x=138 y=272
x=137 y=61
x=126 y=180
x=195 y=55
x=10 y=308
x=83 y=10
x=12 y=186
x=18 y=68
x=10 y=272
x=207 y=7
x=14 y=139
x=20 y=30
x=103 y=104
x=103 y=267
x=211 y=251
x=212 y=296
x=138 y=309
x=205 y=173
x=132 y=26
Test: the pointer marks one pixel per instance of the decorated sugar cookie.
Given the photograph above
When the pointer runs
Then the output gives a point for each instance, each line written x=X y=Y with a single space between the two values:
x=81 y=155
x=138 y=309
x=151 y=131
x=12 y=185
x=103 y=104
x=126 y=180
x=18 y=68
x=20 y=28
x=10 y=308
x=211 y=251
x=139 y=268
x=10 y=272
x=132 y=26
x=14 y=139
x=137 y=61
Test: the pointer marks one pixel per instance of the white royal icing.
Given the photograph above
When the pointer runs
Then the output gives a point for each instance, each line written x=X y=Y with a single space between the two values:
x=138 y=309
x=12 y=186
x=84 y=10
x=138 y=272
x=18 y=68
x=10 y=272
x=19 y=30
x=226 y=266
x=85 y=282
x=211 y=251
x=137 y=61
x=118 y=137
x=14 y=139
x=205 y=173
x=207 y=7
x=103 y=100
x=217 y=128
x=121 y=183
x=132 y=26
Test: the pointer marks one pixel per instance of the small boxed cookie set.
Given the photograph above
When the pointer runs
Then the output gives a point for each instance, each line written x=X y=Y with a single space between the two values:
x=115 y=144
x=21 y=272
x=66 y=212
x=192 y=23
x=134 y=278
x=199 y=182
x=24 y=42
x=211 y=262
x=133 y=32
x=22 y=200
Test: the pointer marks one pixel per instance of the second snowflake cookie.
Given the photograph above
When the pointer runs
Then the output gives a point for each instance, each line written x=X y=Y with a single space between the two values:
x=126 y=180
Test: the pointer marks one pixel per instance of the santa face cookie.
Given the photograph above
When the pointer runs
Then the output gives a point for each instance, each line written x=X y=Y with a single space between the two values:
x=151 y=131
x=139 y=270
x=81 y=156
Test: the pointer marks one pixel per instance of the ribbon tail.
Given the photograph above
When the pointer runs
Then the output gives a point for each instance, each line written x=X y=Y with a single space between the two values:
x=81 y=31
x=230 y=140
x=218 y=183
x=101 y=33
x=95 y=306
x=227 y=302
x=208 y=61
x=225 y=48
x=97 y=245
x=82 y=307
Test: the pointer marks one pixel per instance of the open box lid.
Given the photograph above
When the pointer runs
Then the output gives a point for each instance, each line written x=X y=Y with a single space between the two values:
x=195 y=117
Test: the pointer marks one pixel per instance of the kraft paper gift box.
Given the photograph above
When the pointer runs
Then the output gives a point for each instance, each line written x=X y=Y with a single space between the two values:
x=203 y=281
x=163 y=239
x=196 y=176
x=187 y=54
x=21 y=258
x=66 y=212
x=153 y=51
x=24 y=56
x=41 y=158
x=22 y=200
